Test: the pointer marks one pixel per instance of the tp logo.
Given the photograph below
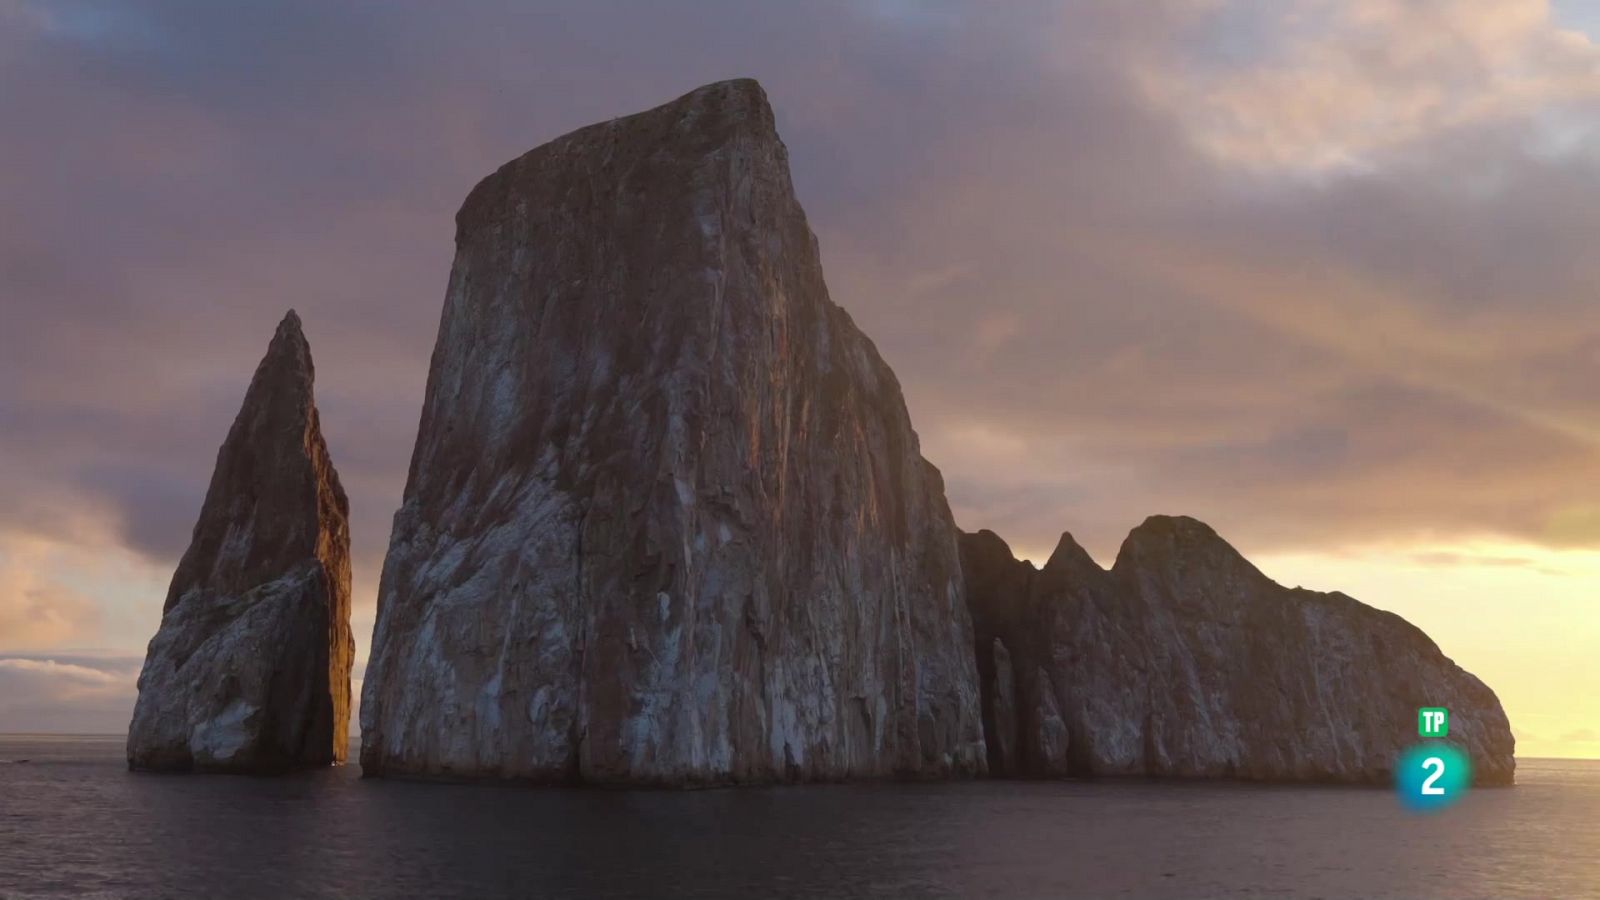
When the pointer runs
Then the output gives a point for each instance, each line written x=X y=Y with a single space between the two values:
x=1433 y=774
x=1433 y=721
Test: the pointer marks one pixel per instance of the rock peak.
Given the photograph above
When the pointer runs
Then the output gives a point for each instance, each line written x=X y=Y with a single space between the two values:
x=285 y=375
x=1184 y=526
x=1069 y=555
x=290 y=330
x=622 y=159
x=746 y=92
x=989 y=544
x=718 y=109
x=250 y=668
x=1176 y=537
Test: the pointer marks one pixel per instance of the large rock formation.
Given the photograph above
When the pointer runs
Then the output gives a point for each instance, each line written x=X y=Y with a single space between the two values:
x=667 y=521
x=250 y=670
x=1185 y=660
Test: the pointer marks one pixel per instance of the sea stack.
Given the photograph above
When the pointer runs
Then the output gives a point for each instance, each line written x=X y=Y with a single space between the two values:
x=667 y=521
x=1185 y=660
x=250 y=670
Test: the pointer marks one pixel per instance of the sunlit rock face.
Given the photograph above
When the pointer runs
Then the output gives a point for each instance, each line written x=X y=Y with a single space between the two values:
x=1185 y=660
x=250 y=670
x=667 y=521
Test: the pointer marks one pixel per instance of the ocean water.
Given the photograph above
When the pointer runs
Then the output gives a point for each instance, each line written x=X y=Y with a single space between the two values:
x=74 y=822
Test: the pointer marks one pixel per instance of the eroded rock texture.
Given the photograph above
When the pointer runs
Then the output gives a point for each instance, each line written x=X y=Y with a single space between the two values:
x=1185 y=660
x=667 y=521
x=250 y=670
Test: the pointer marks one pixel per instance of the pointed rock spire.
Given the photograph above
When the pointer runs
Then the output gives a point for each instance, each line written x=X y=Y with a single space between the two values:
x=250 y=669
x=1069 y=555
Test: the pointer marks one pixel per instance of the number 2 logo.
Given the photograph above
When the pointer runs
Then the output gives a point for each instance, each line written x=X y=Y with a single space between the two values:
x=1432 y=776
x=1436 y=765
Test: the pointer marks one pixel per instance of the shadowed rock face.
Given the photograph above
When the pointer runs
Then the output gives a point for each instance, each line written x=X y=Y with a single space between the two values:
x=250 y=670
x=1185 y=660
x=667 y=521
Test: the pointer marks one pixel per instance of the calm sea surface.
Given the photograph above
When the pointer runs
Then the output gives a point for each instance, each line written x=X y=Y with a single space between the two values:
x=73 y=822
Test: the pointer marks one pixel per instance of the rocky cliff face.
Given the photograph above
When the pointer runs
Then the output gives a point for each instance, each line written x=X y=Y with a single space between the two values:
x=667 y=521
x=1185 y=660
x=250 y=670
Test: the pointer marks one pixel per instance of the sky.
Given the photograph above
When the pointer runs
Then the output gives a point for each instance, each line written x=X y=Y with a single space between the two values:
x=1321 y=273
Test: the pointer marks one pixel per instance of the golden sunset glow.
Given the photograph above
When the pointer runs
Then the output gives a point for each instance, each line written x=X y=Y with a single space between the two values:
x=1521 y=617
x=1540 y=661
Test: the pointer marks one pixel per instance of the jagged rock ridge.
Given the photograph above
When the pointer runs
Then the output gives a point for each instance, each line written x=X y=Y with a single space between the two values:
x=666 y=521
x=250 y=669
x=1185 y=660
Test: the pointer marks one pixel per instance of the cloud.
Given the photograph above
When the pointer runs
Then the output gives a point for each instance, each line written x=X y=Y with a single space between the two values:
x=1581 y=736
x=83 y=694
x=36 y=608
x=1319 y=273
x=1328 y=83
x=1450 y=558
x=1398 y=351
